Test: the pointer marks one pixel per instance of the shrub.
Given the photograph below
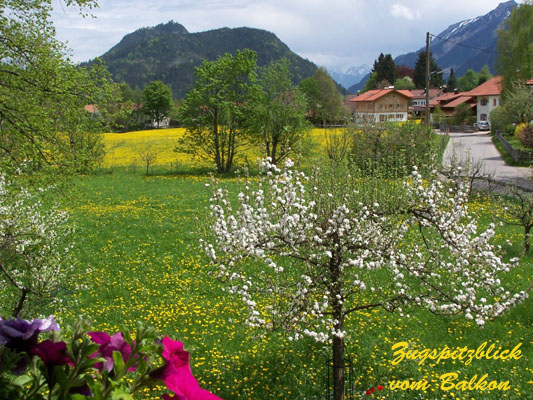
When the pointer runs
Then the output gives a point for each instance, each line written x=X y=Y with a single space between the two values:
x=526 y=136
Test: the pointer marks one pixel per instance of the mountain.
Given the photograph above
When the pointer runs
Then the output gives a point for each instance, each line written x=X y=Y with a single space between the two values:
x=168 y=52
x=348 y=76
x=468 y=44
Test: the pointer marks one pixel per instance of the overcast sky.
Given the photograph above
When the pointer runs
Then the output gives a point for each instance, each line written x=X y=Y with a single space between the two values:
x=339 y=33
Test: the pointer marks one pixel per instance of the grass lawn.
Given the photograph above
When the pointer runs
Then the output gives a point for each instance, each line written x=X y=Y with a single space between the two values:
x=140 y=260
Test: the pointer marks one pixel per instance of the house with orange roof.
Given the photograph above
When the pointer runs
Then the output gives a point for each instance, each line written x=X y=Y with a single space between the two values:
x=488 y=97
x=418 y=101
x=380 y=105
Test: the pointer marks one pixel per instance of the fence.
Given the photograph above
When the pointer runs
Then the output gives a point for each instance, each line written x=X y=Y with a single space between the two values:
x=517 y=154
x=458 y=128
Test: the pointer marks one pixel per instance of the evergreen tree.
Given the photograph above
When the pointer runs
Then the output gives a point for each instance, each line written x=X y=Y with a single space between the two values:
x=419 y=76
x=385 y=69
x=452 y=82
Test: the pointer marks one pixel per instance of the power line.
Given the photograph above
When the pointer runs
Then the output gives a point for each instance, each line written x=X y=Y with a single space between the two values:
x=464 y=45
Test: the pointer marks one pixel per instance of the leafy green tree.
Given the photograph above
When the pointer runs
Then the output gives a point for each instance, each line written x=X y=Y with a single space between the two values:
x=279 y=117
x=371 y=83
x=215 y=111
x=43 y=124
x=419 y=76
x=452 y=82
x=484 y=75
x=157 y=101
x=404 y=83
x=324 y=100
x=468 y=81
x=515 y=46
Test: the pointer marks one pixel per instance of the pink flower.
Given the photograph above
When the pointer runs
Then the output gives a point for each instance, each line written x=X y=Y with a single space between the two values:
x=109 y=344
x=178 y=376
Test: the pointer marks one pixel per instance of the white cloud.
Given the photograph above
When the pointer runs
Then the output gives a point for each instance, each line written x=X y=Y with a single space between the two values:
x=401 y=11
x=340 y=33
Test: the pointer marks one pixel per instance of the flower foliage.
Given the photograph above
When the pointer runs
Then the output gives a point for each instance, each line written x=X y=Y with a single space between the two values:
x=91 y=364
x=36 y=248
x=303 y=257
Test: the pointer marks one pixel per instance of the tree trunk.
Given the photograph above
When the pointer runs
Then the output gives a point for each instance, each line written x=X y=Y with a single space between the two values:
x=526 y=238
x=338 y=364
x=338 y=316
x=217 y=141
x=20 y=304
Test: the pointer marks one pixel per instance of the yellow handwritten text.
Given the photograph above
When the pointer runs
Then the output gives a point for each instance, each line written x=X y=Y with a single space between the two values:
x=447 y=382
x=402 y=352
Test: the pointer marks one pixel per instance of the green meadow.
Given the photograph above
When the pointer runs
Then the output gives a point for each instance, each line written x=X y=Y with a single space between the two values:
x=139 y=259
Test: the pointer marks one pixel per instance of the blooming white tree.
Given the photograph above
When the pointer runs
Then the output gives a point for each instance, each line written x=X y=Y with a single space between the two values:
x=34 y=248
x=303 y=257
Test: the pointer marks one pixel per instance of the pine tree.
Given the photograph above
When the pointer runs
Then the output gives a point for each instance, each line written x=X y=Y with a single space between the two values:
x=419 y=77
x=452 y=82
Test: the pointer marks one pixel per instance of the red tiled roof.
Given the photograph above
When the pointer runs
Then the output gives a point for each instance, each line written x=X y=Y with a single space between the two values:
x=373 y=95
x=445 y=98
x=492 y=87
x=421 y=93
x=460 y=100
x=530 y=82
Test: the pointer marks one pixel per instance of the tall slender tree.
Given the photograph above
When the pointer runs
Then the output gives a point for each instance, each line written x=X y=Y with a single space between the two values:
x=452 y=82
x=278 y=119
x=419 y=76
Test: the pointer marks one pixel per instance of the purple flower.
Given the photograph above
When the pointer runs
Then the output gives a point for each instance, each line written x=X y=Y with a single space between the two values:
x=21 y=335
x=109 y=344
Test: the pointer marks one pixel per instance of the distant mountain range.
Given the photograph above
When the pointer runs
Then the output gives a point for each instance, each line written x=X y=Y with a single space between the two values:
x=349 y=76
x=168 y=52
x=468 y=44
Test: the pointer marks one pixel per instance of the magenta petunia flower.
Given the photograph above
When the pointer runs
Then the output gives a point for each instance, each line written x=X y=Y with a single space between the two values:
x=109 y=344
x=177 y=373
x=51 y=353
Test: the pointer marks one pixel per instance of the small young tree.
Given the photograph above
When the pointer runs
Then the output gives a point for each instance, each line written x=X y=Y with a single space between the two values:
x=34 y=250
x=304 y=254
x=520 y=212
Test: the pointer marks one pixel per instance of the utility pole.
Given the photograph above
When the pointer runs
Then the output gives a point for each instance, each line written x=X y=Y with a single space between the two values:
x=427 y=79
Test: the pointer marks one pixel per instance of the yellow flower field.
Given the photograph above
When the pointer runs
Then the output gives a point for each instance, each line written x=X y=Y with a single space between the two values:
x=132 y=148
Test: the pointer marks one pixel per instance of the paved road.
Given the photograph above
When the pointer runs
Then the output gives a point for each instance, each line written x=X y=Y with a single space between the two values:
x=480 y=149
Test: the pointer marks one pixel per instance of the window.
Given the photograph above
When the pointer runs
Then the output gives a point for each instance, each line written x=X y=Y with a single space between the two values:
x=399 y=106
x=483 y=101
x=383 y=106
x=483 y=117
x=391 y=106
x=494 y=102
x=381 y=118
x=370 y=107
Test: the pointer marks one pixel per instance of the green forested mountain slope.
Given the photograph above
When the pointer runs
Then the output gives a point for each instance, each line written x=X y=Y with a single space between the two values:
x=169 y=53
